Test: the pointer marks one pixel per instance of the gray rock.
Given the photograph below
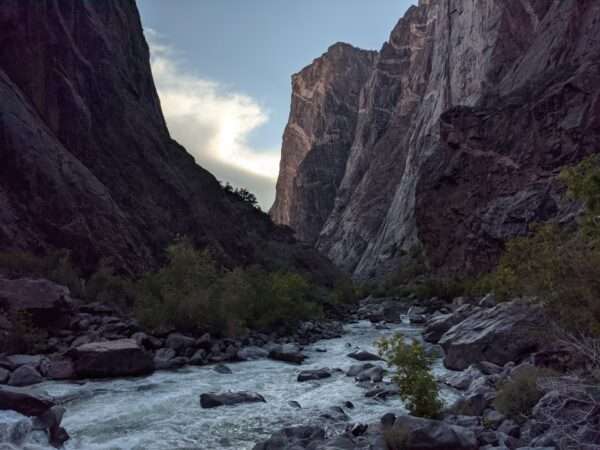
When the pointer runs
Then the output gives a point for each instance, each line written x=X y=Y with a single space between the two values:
x=501 y=334
x=289 y=354
x=293 y=438
x=335 y=414
x=252 y=353
x=426 y=434
x=25 y=401
x=361 y=355
x=388 y=419
x=489 y=301
x=60 y=369
x=355 y=369
x=198 y=358
x=213 y=400
x=119 y=358
x=312 y=375
x=462 y=380
x=438 y=325
x=373 y=374
x=222 y=369
x=179 y=342
x=25 y=376
x=4 y=375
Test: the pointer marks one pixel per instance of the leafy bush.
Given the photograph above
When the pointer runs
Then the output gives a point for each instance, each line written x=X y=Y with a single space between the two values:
x=191 y=293
x=517 y=396
x=106 y=287
x=561 y=267
x=418 y=388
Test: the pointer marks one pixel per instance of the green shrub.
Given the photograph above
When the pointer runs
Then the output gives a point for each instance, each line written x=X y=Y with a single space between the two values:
x=345 y=292
x=191 y=293
x=106 y=287
x=418 y=388
x=560 y=267
x=517 y=396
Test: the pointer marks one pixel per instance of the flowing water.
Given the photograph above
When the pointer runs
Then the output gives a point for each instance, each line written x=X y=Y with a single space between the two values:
x=162 y=411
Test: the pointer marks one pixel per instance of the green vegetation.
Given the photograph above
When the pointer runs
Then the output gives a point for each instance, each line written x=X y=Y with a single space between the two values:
x=191 y=293
x=517 y=396
x=559 y=266
x=418 y=388
x=242 y=193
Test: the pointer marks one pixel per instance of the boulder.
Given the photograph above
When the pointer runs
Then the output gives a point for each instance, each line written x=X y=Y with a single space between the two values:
x=476 y=400
x=198 y=358
x=4 y=375
x=312 y=375
x=361 y=355
x=489 y=301
x=355 y=369
x=179 y=342
x=118 y=358
x=222 y=369
x=25 y=401
x=45 y=302
x=287 y=353
x=60 y=369
x=438 y=325
x=373 y=374
x=426 y=434
x=25 y=376
x=416 y=315
x=293 y=438
x=335 y=414
x=213 y=400
x=252 y=353
x=507 y=332
x=462 y=380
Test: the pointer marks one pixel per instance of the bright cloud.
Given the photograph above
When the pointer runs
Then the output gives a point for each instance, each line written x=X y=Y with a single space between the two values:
x=214 y=124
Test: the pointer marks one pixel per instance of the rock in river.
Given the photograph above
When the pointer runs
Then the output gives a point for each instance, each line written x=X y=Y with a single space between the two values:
x=362 y=355
x=212 y=400
x=24 y=401
x=311 y=375
x=118 y=358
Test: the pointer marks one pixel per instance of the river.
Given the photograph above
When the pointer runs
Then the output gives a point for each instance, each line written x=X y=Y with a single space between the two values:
x=162 y=411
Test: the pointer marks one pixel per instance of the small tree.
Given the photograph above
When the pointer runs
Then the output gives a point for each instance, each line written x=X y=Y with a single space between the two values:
x=418 y=388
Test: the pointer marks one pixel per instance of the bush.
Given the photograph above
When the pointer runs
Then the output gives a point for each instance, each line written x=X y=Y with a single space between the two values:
x=418 y=388
x=106 y=287
x=191 y=293
x=561 y=267
x=517 y=396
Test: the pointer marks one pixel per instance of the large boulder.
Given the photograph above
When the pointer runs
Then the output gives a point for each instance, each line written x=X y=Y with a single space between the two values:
x=25 y=376
x=287 y=353
x=252 y=353
x=426 y=434
x=118 y=358
x=24 y=401
x=45 y=302
x=293 y=438
x=507 y=332
x=439 y=324
x=313 y=375
x=361 y=355
x=213 y=400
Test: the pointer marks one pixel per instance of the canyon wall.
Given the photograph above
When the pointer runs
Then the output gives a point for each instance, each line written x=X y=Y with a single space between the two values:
x=87 y=163
x=469 y=111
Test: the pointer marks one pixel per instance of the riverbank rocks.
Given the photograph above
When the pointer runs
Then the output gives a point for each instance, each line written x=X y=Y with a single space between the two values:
x=293 y=438
x=361 y=355
x=45 y=303
x=441 y=323
x=214 y=400
x=507 y=332
x=25 y=401
x=313 y=375
x=426 y=434
x=252 y=353
x=25 y=376
x=287 y=353
x=120 y=358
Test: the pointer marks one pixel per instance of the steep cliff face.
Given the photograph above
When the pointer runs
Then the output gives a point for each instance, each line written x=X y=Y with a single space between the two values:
x=87 y=160
x=318 y=137
x=469 y=112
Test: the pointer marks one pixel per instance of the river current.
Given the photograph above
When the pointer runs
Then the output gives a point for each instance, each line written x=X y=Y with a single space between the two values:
x=162 y=411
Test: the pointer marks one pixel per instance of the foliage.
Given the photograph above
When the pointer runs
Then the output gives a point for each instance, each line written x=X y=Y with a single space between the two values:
x=191 y=293
x=242 y=193
x=517 y=396
x=106 y=287
x=345 y=292
x=418 y=388
x=560 y=267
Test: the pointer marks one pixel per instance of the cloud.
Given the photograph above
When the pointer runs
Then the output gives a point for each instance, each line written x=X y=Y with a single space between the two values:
x=213 y=123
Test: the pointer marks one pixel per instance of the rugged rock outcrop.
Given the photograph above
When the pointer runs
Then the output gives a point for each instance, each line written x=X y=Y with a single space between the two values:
x=469 y=111
x=318 y=137
x=87 y=161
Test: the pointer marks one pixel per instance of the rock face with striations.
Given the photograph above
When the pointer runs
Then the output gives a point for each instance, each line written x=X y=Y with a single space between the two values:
x=318 y=137
x=467 y=115
x=87 y=161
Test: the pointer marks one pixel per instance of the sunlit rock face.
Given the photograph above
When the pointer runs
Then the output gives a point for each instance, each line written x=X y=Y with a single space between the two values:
x=468 y=113
x=318 y=137
x=87 y=163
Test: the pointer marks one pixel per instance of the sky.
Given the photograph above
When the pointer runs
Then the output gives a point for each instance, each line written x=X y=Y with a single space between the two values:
x=223 y=72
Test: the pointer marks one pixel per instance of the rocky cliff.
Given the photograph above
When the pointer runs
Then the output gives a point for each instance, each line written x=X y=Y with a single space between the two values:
x=87 y=160
x=468 y=113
